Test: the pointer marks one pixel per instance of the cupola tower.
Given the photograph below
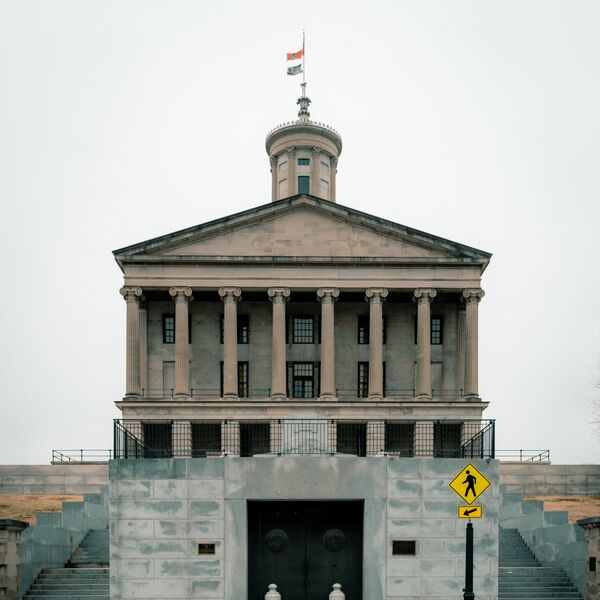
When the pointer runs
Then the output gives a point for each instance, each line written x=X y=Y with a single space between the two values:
x=304 y=156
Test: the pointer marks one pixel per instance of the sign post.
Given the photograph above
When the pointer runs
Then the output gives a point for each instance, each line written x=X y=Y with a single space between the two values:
x=469 y=484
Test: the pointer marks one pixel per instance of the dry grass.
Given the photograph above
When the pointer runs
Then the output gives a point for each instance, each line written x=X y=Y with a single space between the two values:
x=24 y=506
x=578 y=507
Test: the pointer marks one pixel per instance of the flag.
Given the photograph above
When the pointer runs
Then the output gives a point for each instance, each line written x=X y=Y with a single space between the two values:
x=295 y=55
x=295 y=70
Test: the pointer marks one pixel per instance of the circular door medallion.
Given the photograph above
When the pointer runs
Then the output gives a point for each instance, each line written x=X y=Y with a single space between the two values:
x=276 y=540
x=334 y=540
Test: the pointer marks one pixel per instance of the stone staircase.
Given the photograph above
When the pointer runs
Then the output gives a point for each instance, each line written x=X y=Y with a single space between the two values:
x=85 y=577
x=520 y=576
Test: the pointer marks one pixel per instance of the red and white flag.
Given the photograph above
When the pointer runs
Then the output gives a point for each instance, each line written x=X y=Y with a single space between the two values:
x=295 y=55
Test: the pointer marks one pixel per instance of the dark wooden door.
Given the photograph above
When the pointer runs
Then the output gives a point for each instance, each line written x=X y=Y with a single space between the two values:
x=304 y=548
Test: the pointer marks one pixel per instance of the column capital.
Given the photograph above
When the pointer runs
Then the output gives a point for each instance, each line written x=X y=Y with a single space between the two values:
x=273 y=160
x=181 y=294
x=291 y=151
x=316 y=151
x=376 y=294
x=279 y=294
x=328 y=294
x=230 y=294
x=424 y=295
x=131 y=294
x=334 y=161
x=473 y=295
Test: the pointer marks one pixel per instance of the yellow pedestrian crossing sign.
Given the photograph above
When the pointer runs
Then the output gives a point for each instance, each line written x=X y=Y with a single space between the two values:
x=470 y=512
x=469 y=484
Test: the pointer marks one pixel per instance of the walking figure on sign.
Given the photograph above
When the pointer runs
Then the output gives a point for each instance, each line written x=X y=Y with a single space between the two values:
x=471 y=480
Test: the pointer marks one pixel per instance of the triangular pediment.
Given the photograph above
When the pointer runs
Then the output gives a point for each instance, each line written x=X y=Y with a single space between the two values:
x=302 y=226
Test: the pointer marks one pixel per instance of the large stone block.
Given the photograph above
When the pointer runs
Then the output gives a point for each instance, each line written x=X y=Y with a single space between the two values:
x=195 y=568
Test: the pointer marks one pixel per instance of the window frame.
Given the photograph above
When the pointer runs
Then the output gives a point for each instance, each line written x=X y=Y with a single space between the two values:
x=304 y=182
x=303 y=161
x=313 y=328
x=165 y=330
x=243 y=322
x=364 y=324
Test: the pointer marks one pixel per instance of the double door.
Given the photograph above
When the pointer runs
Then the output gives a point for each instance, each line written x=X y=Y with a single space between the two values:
x=304 y=548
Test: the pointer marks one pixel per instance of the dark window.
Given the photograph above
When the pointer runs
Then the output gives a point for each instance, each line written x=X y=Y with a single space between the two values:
x=446 y=440
x=303 y=329
x=400 y=439
x=303 y=184
x=255 y=438
x=303 y=161
x=243 y=329
x=303 y=380
x=363 y=379
x=158 y=440
x=352 y=438
x=363 y=329
x=243 y=389
x=206 y=439
x=436 y=330
x=243 y=379
x=404 y=547
x=168 y=329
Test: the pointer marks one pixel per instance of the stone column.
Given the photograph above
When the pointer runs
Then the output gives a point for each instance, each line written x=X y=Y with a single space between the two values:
x=292 y=183
x=472 y=299
x=274 y=177
x=144 y=349
x=278 y=297
x=332 y=176
x=315 y=184
x=230 y=297
x=182 y=296
x=460 y=357
x=375 y=297
x=132 y=296
x=10 y=536
x=423 y=384
x=328 y=297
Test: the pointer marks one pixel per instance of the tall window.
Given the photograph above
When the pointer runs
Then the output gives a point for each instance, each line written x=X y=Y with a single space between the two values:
x=243 y=329
x=436 y=330
x=303 y=162
x=303 y=380
x=303 y=184
x=206 y=439
x=363 y=329
x=363 y=379
x=304 y=329
x=168 y=329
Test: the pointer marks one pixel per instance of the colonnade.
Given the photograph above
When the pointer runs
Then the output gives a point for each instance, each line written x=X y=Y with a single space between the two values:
x=182 y=296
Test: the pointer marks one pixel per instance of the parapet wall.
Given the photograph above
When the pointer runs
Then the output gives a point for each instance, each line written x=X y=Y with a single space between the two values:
x=533 y=479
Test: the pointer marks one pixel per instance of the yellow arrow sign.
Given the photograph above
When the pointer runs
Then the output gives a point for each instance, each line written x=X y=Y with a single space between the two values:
x=469 y=484
x=470 y=512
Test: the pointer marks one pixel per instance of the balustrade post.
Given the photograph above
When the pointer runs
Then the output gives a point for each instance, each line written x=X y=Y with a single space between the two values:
x=337 y=593
x=272 y=594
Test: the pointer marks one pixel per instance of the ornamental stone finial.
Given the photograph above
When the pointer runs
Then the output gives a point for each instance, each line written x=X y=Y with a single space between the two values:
x=230 y=294
x=425 y=294
x=376 y=294
x=473 y=295
x=131 y=293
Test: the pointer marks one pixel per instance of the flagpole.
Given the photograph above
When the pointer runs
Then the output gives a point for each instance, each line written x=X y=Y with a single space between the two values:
x=303 y=63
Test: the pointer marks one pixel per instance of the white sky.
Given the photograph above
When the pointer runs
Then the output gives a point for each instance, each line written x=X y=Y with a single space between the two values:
x=123 y=120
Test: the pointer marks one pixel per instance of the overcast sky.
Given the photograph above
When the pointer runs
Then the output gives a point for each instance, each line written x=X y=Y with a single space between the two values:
x=473 y=120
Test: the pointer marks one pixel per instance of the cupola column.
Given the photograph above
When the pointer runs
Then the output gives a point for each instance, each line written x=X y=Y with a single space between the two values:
x=273 y=178
x=278 y=297
x=182 y=296
x=230 y=297
x=132 y=296
x=315 y=183
x=423 y=298
x=472 y=299
x=375 y=297
x=291 y=171
x=333 y=176
x=328 y=296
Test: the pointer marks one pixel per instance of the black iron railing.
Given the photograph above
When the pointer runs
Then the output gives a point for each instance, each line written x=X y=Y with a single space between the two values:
x=204 y=439
x=523 y=455
x=81 y=456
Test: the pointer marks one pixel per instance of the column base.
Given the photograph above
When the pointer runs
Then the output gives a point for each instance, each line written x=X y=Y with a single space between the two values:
x=279 y=397
x=471 y=398
x=375 y=396
x=182 y=396
x=230 y=397
x=132 y=397
x=327 y=397
x=423 y=397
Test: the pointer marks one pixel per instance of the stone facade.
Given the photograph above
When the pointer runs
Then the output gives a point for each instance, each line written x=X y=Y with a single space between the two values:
x=160 y=510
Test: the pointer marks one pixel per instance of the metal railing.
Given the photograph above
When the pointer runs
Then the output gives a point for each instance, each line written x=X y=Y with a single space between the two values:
x=212 y=438
x=523 y=455
x=81 y=456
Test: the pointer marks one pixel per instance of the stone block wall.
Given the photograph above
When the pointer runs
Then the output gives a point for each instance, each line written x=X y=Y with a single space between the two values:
x=553 y=541
x=55 y=536
x=591 y=527
x=544 y=479
x=70 y=479
x=161 y=509
x=10 y=534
